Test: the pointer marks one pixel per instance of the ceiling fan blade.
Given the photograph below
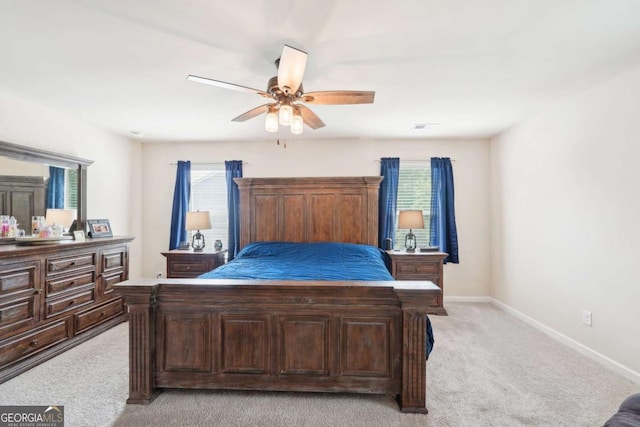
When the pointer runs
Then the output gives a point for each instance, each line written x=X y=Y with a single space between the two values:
x=253 y=113
x=334 y=97
x=309 y=117
x=226 y=85
x=291 y=69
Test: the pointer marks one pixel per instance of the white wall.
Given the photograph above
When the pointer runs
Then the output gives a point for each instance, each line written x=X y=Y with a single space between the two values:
x=566 y=209
x=331 y=158
x=114 y=179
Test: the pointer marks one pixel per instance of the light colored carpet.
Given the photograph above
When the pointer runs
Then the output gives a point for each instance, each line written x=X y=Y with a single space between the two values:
x=487 y=369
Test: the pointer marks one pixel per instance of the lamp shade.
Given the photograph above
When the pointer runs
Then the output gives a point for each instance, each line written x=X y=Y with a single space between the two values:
x=285 y=114
x=410 y=219
x=297 y=123
x=63 y=217
x=271 y=123
x=199 y=220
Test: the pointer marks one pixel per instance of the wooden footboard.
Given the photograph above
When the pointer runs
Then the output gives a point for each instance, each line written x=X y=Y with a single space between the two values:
x=364 y=337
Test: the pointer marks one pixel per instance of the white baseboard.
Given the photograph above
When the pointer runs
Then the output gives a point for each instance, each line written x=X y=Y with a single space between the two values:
x=581 y=348
x=467 y=299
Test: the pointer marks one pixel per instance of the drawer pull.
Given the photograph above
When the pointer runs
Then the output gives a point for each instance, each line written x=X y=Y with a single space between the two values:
x=188 y=267
x=73 y=301
x=34 y=342
x=72 y=283
x=102 y=314
x=71 y=264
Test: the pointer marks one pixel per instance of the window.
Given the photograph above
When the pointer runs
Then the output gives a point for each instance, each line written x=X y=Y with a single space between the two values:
x=414 y=192
x=209 y=193
x=71 y=189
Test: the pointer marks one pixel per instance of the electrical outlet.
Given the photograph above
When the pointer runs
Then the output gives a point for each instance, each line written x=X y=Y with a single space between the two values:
x=586 y=317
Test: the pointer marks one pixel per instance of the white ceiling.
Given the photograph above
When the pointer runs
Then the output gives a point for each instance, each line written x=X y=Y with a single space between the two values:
x=473 y=67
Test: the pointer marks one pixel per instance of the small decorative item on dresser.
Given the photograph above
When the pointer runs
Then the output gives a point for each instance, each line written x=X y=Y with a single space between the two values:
x=217 y=245
x=99 y=228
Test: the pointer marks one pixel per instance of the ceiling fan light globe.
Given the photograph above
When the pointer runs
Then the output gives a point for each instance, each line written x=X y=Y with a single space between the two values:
x=271 y=122
x=285 y=114
x=297 y=124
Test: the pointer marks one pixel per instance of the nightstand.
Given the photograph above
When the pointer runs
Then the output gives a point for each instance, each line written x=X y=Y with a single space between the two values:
x=420 y=266
x=187 y=263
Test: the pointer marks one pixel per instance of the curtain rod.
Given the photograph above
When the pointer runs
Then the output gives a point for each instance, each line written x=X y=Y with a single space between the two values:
x=207 y=163
x=414 y=160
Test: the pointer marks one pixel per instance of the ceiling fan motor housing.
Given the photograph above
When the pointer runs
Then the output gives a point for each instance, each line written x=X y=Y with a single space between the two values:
x=277 y=92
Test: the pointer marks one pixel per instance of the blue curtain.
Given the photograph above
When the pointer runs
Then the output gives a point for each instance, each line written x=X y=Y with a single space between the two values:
x=444 y=233
x=181 y=197
x=387 y=200
x=233 y=169
x=55 y=188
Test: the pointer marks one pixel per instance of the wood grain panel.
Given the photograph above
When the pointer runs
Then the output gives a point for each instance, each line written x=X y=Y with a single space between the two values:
x=366 y=347
x=349 y=224
x=187 y=342
x=321 y=220
x=244 y=344
x=294 y=218
x=265 y=227
x=304 y=345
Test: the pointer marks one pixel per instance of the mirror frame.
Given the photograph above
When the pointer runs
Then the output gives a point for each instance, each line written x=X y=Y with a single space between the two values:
x=35 y=155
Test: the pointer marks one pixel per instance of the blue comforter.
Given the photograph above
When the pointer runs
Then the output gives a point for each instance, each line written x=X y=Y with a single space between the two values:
x=308 y=261
x=304 y=261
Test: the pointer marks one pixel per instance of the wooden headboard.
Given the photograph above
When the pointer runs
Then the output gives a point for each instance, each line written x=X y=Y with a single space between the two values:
x=328 y=209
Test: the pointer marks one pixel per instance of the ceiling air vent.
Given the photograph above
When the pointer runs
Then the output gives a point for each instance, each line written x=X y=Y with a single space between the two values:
x=421 y=126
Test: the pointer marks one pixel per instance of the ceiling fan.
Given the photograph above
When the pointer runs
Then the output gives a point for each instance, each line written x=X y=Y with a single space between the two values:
x=287 y=95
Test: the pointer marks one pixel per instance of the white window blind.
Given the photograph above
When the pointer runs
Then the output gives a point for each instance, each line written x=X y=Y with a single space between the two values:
x=209 y=193
x=71 y=189
x=414 y=193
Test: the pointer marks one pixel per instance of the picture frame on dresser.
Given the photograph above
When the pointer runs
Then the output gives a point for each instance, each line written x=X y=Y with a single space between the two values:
x=99 y=228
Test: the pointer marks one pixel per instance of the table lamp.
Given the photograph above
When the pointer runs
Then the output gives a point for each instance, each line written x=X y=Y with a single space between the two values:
x=199 y=220
x=410 y=220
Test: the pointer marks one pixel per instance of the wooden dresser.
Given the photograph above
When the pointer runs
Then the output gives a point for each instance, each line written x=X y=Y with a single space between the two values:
x=420 y=266
x=55 y=296
x=187 y=263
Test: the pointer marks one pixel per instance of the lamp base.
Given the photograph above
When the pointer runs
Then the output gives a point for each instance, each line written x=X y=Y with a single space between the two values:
x=197 y=243
x=410 y=242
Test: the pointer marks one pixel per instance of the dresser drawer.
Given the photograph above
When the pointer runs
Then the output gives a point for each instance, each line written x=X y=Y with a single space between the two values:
x=188 y=268
x=17 y=348
x=97 y=315
x=110 y=280
x=17 y=278
x=115 y=260
x=63 y=284
x=71 y=302
x=70 y=264
x=17 y=313
x=417 y=269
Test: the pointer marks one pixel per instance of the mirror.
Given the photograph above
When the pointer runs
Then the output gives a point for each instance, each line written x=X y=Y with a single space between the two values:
x=31 y=181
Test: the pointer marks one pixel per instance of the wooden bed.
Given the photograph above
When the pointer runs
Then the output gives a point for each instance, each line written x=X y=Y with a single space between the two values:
x=348 y=336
